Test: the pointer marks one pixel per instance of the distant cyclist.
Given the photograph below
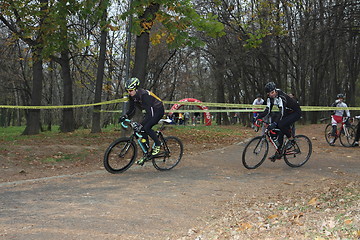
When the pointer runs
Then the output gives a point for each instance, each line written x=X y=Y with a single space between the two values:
x=154 y=110
x=289 y=112
x=337 y=116
x=257 y=101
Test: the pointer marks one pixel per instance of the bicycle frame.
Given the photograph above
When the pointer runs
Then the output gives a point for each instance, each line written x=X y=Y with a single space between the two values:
x=143 y=147
x=344 y=128
x=267 y=132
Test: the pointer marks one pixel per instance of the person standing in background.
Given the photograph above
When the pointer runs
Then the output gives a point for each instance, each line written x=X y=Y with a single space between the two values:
x=337 y=116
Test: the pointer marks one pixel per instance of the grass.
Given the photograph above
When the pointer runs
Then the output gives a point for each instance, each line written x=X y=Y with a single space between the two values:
x=60 y=157
x=44 y=146
x=15 y=133
x=11 y=133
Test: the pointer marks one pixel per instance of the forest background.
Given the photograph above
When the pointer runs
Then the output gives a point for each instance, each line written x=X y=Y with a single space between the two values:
x=70 y=52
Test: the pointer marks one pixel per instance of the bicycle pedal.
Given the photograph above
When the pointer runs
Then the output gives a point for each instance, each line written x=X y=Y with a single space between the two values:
x=140 y=163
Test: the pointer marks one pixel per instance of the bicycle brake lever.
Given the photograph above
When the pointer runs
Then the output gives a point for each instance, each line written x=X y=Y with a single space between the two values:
x=138 y=134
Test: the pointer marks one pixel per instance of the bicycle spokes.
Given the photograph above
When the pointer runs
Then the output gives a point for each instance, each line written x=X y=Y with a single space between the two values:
x=259 y=146
x=124 y=150
x=299 y=153
x=293 y=150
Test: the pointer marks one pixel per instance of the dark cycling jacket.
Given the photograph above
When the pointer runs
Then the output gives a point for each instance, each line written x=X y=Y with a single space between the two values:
x=285 y=103
x=147 y=100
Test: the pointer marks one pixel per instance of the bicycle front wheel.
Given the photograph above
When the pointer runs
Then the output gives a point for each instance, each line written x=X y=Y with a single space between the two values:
x=255 y=152
x=120 y=155
x=170 y=155
x=299 y=153
x=328 y=132
x=347 y=136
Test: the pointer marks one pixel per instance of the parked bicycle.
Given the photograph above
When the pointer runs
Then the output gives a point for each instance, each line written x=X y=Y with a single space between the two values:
x=295 y=153
x=346 y=134
x=122 y=153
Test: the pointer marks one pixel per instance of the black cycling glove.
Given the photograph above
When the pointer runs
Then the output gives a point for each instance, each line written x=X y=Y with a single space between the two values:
x=122 y=118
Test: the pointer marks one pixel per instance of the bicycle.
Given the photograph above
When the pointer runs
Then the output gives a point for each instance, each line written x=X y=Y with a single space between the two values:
x=346 y=134
x=122 y=153
x=295 y=153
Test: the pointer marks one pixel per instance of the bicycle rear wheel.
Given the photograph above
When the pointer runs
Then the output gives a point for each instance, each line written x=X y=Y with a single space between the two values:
x=347 y=140
x=328 y=132
x=255 y=152
x=170 y=155
x=120 y=155
x=299 y=153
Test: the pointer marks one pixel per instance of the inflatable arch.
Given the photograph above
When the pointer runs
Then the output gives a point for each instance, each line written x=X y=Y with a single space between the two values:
x=207 y=115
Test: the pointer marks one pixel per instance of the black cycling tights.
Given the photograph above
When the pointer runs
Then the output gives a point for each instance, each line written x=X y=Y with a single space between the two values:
x=284 y=125
x=148 y=123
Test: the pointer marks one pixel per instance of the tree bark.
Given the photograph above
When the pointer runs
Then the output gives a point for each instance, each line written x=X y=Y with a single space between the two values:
x=95 y=128
x=33 y=115
x=68 y=122
x=142 y=44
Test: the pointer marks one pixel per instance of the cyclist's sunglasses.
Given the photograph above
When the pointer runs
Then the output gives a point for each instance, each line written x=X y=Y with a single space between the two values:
x=130 y=90
x=272 y=92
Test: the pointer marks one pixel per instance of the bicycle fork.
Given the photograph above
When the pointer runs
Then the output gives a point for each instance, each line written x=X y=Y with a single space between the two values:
x=346 y=131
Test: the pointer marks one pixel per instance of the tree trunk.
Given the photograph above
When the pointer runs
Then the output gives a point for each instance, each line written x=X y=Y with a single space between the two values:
x=142 y=44
x=95 y=128
x=67 y=124
x=142 y=50
x=33 y=116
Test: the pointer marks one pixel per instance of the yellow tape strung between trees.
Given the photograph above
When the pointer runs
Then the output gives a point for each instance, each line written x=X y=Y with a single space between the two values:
x=66 y=106
x=199 y=110
x=226 y=105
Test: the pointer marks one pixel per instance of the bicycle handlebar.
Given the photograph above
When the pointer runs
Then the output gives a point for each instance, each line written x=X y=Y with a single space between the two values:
x=123 y=124
x=260 y=120
x=132 y=124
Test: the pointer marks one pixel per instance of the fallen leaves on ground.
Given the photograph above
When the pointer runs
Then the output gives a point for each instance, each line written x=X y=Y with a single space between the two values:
x=331 y=212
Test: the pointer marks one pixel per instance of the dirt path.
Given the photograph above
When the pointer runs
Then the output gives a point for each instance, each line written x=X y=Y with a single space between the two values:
x=187 y=202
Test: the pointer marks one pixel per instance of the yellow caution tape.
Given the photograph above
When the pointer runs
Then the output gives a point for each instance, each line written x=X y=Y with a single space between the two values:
x=191 y=111
x=66 y=106
x=248 y=107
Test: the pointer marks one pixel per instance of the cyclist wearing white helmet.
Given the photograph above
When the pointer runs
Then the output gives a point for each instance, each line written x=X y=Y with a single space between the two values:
x=289 y=112
x=153 y=106
x=337 y=116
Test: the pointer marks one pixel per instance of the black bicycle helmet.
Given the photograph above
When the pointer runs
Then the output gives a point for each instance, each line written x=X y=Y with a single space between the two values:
x=270 y=86
x=132 y=84
x=340 y=95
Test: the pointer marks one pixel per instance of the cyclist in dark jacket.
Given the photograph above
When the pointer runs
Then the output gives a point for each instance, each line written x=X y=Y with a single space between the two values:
x=153 y=106
x=357 y=135
x=289 y=112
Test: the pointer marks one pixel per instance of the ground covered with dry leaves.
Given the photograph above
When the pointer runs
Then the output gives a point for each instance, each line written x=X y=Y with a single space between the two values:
x=328 y=208
x=333 y=212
